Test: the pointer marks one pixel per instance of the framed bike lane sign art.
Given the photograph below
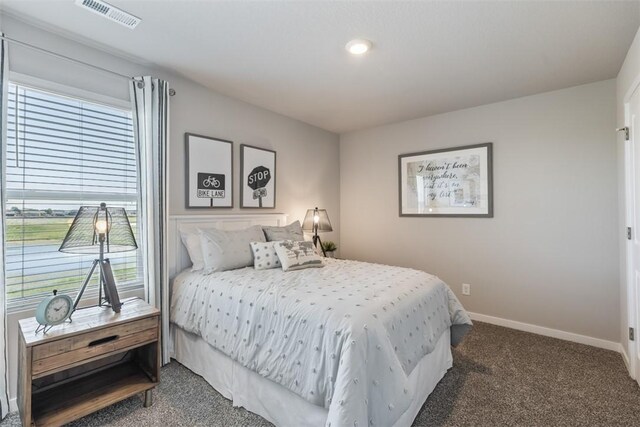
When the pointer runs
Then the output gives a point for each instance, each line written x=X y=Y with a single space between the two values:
x=453 y=182
x=209 y=172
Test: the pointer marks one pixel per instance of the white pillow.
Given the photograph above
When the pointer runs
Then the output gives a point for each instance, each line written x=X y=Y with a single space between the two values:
x=227 y=250
x=191 y=241
x=292 y=231
x=264 y=255
x=295 y=255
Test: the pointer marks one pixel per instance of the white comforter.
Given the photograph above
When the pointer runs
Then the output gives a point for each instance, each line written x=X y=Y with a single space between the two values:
x=344 y=337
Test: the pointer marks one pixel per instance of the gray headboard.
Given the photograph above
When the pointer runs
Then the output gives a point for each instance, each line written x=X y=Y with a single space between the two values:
x=179 y=258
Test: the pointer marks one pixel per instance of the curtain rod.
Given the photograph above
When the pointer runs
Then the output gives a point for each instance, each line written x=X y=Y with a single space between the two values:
x=68 y=58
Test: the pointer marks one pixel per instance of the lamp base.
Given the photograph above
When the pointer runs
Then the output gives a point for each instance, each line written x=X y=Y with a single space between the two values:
x=107 y=284
x=316 y=239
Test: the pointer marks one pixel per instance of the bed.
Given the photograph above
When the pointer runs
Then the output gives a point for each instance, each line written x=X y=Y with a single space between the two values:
x=350 y=344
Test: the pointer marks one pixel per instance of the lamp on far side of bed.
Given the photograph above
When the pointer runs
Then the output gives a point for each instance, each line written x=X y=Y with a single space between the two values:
x=314 y=221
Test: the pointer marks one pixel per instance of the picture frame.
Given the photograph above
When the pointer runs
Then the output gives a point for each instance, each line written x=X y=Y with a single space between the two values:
x=257 y=177
x=209 y=172
x=449 y=182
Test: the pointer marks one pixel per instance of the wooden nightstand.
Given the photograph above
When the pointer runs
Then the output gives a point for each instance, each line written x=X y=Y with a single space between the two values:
x=98 y=359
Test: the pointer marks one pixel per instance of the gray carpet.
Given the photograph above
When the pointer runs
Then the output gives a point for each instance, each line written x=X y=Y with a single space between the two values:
x=500 y=377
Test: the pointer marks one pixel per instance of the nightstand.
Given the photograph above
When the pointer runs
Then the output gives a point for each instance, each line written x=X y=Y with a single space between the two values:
x=98 y=359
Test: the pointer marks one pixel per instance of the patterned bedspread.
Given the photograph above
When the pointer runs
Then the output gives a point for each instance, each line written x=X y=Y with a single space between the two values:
x=344 y=337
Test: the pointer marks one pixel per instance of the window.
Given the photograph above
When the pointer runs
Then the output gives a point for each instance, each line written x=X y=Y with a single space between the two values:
x=63 y=153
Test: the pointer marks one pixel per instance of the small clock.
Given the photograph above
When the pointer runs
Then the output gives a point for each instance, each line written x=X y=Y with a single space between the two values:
x=53 y=310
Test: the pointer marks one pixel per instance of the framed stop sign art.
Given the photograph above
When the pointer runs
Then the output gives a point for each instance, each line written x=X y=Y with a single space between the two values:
x=257 y=177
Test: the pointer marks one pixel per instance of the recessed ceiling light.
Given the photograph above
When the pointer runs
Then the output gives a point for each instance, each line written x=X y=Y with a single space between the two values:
x=358 y=46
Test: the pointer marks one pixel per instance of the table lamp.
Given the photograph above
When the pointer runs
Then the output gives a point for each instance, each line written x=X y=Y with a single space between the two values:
x=314 y=221
x=100 y=230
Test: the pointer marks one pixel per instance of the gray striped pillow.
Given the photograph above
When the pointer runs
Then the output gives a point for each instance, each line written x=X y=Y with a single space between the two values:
x=292 y=231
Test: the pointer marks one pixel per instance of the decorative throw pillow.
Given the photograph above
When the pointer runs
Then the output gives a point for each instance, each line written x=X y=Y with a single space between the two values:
x=292 y=231
x=227 y=250
x=297 y=255
x=264 y=255
x=191 y=241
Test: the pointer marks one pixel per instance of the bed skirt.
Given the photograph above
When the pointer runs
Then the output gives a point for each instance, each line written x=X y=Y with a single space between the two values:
x=279 y=405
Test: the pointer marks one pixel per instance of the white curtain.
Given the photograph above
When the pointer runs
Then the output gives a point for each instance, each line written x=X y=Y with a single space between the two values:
x=150 y=99
x=4 y=92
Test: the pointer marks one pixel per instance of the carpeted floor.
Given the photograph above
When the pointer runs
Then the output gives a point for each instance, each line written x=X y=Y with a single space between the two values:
x=501 y=377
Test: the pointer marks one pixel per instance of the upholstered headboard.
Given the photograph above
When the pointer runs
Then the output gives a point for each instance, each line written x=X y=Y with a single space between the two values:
x=178 y=256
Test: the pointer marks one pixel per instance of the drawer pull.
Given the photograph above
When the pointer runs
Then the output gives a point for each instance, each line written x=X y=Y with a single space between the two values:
x=103 y=340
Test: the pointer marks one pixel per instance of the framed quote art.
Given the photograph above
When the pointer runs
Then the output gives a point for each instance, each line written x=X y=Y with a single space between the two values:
x=257 y=177
x=454 y=182
x=209 y=172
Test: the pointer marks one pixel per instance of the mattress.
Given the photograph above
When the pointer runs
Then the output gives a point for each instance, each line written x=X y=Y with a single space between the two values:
x=345 y=337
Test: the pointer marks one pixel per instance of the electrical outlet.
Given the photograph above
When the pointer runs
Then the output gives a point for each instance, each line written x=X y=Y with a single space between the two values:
x=466 y=289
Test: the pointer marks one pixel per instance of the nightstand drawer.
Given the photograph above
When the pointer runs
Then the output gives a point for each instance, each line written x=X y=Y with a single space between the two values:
x=61 y=354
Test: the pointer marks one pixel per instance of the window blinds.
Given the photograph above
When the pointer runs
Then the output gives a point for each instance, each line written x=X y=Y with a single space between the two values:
x=62 y=153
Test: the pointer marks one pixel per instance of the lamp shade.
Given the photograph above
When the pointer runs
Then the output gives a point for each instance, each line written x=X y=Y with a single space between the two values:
x=316 y=217
x=90 y=222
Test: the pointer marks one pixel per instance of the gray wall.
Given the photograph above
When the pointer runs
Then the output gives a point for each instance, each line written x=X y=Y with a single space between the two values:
x=549 y=257
x=307 y=157
x=625 y=83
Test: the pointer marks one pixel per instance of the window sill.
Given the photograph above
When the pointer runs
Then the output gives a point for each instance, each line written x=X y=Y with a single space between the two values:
x=89 y=298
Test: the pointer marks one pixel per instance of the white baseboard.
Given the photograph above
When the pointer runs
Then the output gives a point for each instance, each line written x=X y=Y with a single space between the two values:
x=13 y=405
x=625 y=358
x=548 y=332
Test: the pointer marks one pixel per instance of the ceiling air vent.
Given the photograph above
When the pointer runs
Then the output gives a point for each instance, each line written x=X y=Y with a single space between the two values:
x=110 y=12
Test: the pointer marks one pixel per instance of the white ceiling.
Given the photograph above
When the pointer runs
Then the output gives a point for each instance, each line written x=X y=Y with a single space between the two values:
x=427 y=57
